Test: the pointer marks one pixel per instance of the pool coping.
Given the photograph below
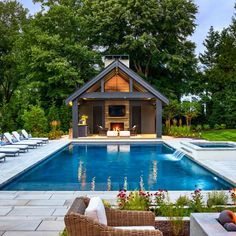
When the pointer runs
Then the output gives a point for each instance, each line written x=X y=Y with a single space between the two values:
x=67 y=142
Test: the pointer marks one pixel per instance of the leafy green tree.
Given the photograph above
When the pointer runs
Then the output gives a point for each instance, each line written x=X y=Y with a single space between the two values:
x=154 y=34
x=12 y=20
x=190 y=110
x=35 y=120
x=171 y=110
x=55 y=60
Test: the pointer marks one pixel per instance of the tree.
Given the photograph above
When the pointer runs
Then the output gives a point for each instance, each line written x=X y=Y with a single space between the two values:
x=12 y=20
x=35 y=120
x=55 y=60
x=154 y=34
x=171 y=110
x=190 y=110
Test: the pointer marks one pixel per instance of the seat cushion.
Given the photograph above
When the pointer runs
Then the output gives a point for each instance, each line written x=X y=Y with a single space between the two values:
x=136 y=227
x=96 y=210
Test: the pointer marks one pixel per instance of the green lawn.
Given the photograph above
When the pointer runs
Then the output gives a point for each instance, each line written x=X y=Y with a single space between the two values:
x=220 y=135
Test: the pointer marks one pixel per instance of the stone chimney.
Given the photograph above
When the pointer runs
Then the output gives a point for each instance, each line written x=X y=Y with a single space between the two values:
x=108 y=59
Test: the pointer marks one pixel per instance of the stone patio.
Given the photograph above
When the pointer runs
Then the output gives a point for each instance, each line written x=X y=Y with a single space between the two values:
x=24 y=213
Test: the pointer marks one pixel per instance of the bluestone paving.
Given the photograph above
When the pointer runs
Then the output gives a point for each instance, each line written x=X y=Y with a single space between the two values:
x=59 y=202
x=60 y=212
x=19 y=224
x=1 y=233
x=13 y=202
x=5 y=210
x=32 y=211
x=34 y=196
x=51 y=225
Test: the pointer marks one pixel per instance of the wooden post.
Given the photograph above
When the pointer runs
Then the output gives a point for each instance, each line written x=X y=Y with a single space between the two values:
x=158 y=118
x=75 y=118
x=102 y=85
x=130 y=85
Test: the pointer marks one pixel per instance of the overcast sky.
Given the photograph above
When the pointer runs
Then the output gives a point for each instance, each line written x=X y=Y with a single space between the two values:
x=216 y=13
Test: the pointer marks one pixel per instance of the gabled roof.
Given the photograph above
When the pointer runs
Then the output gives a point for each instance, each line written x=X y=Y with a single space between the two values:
x=125 y=69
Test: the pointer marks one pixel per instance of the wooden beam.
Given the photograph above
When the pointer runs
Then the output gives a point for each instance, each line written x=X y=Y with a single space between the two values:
x=117 y=95
x=75 y=118
x=158 y=118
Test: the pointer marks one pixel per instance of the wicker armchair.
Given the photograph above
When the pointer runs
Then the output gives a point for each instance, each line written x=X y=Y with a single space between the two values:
x=77 y=224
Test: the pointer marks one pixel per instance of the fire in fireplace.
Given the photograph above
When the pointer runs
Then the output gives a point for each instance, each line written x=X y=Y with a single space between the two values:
x=117 y=126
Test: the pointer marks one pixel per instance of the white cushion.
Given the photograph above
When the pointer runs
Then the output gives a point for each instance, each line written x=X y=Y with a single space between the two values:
x=111 y=133
x=136 y=227
x=96 y=210
x=125 y=133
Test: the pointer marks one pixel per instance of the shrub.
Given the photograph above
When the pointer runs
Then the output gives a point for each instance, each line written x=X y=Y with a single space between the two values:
x=233 y=195
x=138 y=201
x=55 y=134
x=183 y=201
x=216 y=126
x=35 y=121
x=217 y=198
x=223 y=126
x=198 y=128
x=206 y=127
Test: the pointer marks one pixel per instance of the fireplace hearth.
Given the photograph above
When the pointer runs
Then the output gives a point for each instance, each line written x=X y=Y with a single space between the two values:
x=117 y=126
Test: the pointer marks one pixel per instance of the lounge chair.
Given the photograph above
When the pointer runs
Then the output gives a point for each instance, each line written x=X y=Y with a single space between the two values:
x=133 y=130
x=85 y=219
x=18 y=138
x=125 y=133
x=15 y=142
x=28 y=137
x=112 y=133
x=10 y=151
x=3 y=156
x=23 y=148
x=102 y=131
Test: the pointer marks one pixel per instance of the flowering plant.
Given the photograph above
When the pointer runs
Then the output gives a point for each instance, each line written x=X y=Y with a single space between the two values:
x=138 y=200
x=196 y=202
x=161 y=196
x=233 y=195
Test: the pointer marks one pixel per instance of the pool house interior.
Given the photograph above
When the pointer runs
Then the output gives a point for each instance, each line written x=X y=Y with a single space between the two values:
x=117 y=99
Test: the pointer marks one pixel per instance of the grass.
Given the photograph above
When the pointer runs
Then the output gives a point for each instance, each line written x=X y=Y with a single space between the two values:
x=220 y=135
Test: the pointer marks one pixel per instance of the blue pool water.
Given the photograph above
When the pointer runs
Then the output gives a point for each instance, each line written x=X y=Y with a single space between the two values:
x=214 y=145
x=114 y=167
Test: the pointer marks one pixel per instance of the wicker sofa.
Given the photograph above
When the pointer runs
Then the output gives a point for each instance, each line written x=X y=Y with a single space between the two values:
x=77 y=224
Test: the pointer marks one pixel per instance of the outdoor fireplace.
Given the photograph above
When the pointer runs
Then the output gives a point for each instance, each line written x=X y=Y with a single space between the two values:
x=117 y=126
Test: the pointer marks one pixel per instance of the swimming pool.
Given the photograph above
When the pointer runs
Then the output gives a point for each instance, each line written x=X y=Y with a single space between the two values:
x=103 y=167
x=214 y=144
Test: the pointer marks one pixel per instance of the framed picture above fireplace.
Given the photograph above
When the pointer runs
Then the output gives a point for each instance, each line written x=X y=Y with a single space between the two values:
x=116 y=110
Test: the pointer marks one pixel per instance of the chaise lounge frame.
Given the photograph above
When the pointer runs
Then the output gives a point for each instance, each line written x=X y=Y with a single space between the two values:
x=77 y=224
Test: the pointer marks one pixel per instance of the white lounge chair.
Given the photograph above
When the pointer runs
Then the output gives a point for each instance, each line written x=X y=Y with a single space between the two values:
x=10 y=151
x=112 y=133
x=125 y=133
x=17 y=137
x=10 y=139
x=2 y=156
x=23 y=148
x=27 y=136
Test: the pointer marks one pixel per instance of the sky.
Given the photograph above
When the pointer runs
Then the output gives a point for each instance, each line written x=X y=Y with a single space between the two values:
x=216 y=13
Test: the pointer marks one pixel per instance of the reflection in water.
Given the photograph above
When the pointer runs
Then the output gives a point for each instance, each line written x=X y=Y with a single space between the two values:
x=82 y=174
x=141 y=183
x=124 y=148
x=71 y=148
x=93 y=184
x=118 y=148
x=125 y=183
x=152 y=177
x=80 y=170
x=109 y=183
x=112 y=148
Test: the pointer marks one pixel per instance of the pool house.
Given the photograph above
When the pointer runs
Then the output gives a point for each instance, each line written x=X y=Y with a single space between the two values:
x=117 y=99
